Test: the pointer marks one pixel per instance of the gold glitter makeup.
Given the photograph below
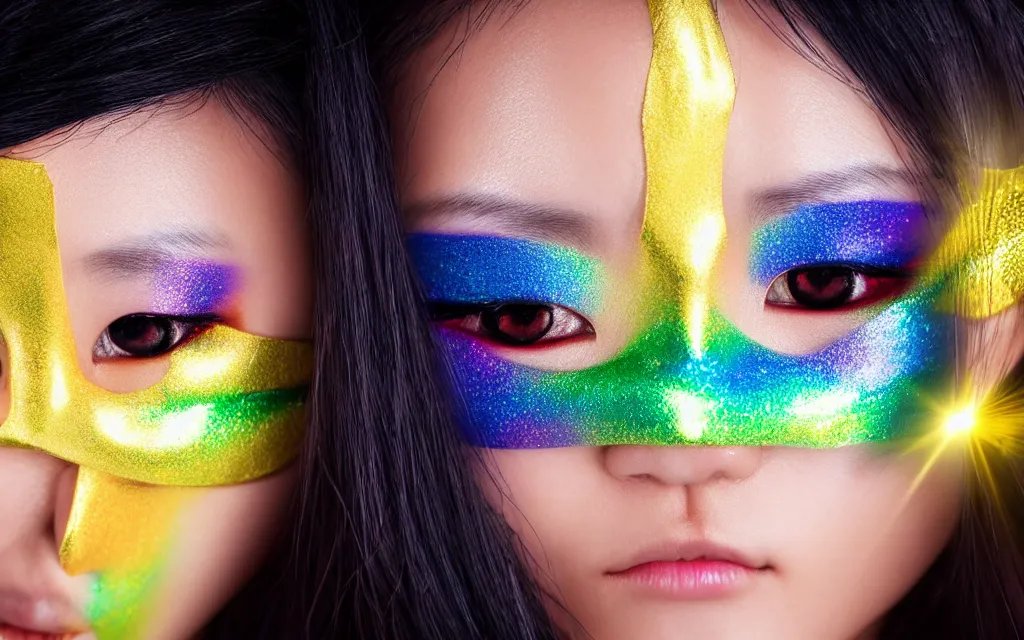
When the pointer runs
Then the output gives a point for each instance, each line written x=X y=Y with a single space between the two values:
x=229 y=410
x=118 y=524
x=983 y=254
x=119 y=530
x=690 y=92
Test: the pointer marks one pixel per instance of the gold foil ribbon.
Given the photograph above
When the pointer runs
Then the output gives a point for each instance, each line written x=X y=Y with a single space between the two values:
x=983 y=254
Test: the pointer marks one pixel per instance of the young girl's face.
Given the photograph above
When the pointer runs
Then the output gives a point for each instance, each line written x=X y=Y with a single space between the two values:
x=170 y=223
x=531 y=139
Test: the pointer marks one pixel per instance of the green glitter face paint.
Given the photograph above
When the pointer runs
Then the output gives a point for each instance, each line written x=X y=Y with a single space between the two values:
x=864 y=387
x=689 y=376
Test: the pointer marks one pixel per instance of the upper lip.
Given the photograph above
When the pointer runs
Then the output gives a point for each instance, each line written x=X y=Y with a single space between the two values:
x=675 y=551
x=42 y=615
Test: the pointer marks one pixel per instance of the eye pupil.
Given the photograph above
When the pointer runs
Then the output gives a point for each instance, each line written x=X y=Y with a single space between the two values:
x=821 y=287
x=141 y=335
x=518 y=323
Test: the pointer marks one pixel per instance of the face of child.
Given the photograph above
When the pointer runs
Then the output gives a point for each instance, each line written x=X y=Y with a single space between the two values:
x=532 y=178
x=167 y=280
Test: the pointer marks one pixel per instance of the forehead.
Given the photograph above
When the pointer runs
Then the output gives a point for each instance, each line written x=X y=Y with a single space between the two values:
x=544 y=104
x=175 y=167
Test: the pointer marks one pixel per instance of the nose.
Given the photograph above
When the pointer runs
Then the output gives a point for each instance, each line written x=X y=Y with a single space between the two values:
x=34 y=506
x=682 y=465
x=33 y=510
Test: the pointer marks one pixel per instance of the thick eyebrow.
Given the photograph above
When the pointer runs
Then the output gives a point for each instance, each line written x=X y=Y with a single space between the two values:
x=532 y=221
x=144 y=256
x=827 y=186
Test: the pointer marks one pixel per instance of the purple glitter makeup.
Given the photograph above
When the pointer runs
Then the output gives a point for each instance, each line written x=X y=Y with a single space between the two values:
x=193 y=287
x=865 y=387
x=885 y=235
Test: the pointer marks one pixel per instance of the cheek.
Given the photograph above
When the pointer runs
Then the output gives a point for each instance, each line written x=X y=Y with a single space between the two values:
x=223 y=540
x=547 y=496
x=854 y=541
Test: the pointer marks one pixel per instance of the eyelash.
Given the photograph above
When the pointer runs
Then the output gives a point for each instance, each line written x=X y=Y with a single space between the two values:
x=549 y=323
x=861 y=285
x=181 y=330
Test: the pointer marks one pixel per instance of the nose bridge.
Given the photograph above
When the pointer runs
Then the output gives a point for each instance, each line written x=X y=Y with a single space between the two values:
x=30 y=480
x=688 y=101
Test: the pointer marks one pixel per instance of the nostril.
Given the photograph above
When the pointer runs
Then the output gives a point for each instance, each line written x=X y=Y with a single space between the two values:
x=63 y=499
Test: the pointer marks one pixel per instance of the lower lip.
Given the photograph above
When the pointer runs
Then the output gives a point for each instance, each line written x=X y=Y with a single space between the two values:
x=693 y=580
x=14 y=633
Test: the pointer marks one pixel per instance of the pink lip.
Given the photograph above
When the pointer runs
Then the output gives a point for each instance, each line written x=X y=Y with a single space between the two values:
x=691 y=571
x=15 y=633
x=28 y=618
x=691 y=580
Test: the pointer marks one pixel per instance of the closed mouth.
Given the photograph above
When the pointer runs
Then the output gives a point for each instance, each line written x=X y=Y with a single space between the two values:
x=23 y=617
x=692 y=552
x=8 y=632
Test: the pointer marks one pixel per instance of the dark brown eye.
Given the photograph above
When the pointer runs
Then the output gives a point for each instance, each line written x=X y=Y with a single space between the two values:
x=821 y=287
x=515 y=324
x=143 y=335
x=827 y=288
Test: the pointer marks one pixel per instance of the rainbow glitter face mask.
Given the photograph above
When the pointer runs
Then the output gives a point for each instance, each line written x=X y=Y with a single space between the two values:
x=228 y=410
x=690 y=376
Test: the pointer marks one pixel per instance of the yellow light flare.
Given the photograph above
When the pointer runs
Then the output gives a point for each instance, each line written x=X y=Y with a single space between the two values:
x=961 y=422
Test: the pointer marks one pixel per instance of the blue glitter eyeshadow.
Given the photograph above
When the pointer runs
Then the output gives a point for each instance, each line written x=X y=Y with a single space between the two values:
x=464 y=269
x=886 y=235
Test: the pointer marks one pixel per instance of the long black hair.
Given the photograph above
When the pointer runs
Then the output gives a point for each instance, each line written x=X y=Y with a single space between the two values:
x=948 y=76
x=299 y=68
x=393 y=540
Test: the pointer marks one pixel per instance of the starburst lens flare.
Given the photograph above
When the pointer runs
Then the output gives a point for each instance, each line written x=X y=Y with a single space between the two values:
x=961 y=422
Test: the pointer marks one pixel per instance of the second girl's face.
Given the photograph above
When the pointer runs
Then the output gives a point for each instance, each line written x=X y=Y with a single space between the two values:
x=533 y=130
x=169 y=221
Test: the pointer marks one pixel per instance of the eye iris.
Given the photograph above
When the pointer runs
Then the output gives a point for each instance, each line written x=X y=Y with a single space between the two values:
x=821 y=287
x=518 y=323
x=141 y=335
